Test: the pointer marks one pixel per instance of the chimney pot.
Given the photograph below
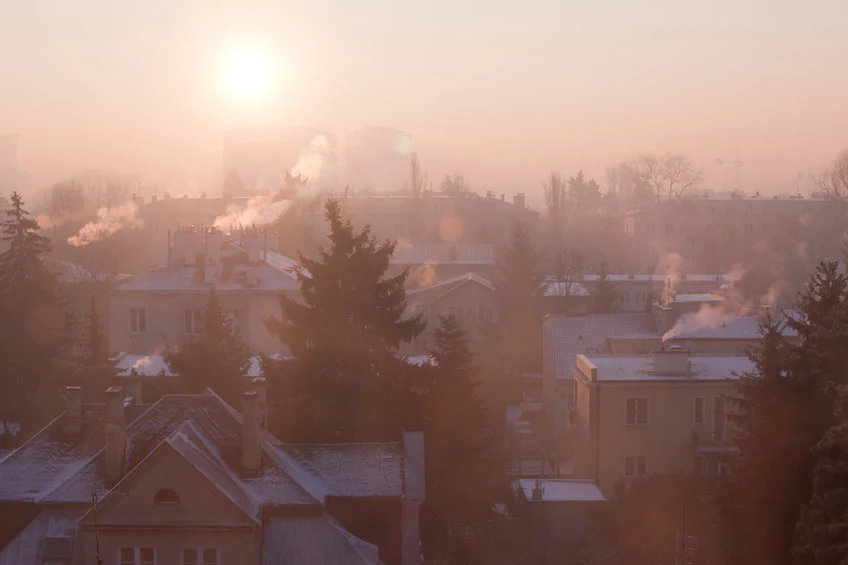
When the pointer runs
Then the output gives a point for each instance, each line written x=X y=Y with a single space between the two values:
x=134 y=389
x=116 y=433
x=250 y=451
x=260 y=388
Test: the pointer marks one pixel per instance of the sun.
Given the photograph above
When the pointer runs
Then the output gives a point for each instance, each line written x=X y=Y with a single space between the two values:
x=248 y=73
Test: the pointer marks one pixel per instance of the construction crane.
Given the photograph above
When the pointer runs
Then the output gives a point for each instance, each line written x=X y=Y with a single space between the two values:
x=737 y=163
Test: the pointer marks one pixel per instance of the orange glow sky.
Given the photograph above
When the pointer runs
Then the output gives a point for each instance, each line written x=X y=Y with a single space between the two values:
x=504 y=90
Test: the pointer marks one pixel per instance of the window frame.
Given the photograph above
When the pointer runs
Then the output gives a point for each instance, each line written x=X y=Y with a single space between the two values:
x=138 y=320
x=723 y=419
x=636 y=412
x=633 y=462
x=695 y=420
x=136 y=554
x=194 y=314
x=198 y=555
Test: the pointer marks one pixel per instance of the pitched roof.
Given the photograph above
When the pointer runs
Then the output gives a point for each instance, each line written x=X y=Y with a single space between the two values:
x=317 y=539
x=50 y=534
x=562 y=490
x=573 y=335
x=180 y=278
x=437 y=290
x=641 y=368
x=207 y=431
x=738 y=327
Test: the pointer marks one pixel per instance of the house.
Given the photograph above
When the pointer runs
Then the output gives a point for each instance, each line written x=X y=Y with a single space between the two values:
x=469 y=297
x=440 y=261
x=164 y=308
x=566 y=337
x=636 y=292
x=190 y=480
x=665 y=412
x=703 y=333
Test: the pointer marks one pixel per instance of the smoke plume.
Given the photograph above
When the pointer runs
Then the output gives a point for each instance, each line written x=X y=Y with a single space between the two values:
x=316 y=160
x=259 y=210
x=425 y=275
x=108 y=222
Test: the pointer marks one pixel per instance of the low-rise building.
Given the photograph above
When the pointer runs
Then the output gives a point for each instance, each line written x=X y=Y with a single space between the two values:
x=190 y=480
x=469 y=297
x=164 y=308
x=646 y=414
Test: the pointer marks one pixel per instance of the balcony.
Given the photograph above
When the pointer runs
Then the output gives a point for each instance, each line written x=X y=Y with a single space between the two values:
x=711 y=443
x=532 y=401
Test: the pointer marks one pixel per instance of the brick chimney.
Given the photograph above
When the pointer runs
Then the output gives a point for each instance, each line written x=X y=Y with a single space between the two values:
x=250 y=447
x=73 y=409
x=116 y=433
x=258 y=385
x=134 y=389
x=413 y=496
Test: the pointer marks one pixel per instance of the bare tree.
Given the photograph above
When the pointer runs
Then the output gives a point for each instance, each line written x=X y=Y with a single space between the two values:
x=417 y=176
x=833 y=183
x=454 y=183
x=555 y=202
x=669 y=175
x=64 y=201
x=625 y=180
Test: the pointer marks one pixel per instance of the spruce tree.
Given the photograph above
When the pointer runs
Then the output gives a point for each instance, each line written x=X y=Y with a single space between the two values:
x=343 y=383
x=464 y=470
x=97 y=351
x=217 y=358
x=516 y=342
x=822 y=532
x=604 y=295
x=33 y=326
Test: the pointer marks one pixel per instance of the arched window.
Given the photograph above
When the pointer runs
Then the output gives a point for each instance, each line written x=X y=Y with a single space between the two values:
x=166 y=496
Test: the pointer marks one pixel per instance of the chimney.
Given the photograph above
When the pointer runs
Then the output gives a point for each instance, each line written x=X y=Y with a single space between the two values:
x=520 y=200
x=73 y=409
x=258 y=385
x=671 y=361
x=413 y=496
x=134 y=389
x=154 y=198
x=250 y=450
x=116 y=433
x=253 y=245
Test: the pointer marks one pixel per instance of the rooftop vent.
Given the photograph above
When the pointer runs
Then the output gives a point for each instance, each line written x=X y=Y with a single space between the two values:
x=538 y=491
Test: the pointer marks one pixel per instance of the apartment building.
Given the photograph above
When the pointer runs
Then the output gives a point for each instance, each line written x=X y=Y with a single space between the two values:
x=666 y=412
x=189 y=480
x=164 y=308
x=712 y=233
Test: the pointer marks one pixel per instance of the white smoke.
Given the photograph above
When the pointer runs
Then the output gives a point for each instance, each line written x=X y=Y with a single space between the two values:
x=316 y=160
x=424 y=275
x=707 y=317
x=674 y=267
x=108 y=222
x=259 y=210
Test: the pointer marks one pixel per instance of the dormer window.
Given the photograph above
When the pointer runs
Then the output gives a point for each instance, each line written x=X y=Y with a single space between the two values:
x=166 y=497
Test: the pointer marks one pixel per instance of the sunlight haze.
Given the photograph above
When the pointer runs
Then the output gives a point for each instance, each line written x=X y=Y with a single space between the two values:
x=504 y=91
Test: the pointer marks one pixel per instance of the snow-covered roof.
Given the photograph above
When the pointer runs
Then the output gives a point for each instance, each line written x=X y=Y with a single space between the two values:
x=439 y=289
x=740 y=327
x=562 y=490
x=697 y=297
x=70 y=273
x=314 y=539
x=129 y=364
x=419 y=360
x=661 y=278
x=572 y=335
x=619 y=368
x=50 y=535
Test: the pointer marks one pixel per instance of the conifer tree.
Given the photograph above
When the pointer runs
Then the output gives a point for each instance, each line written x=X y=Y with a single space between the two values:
x=33 y=326
x=604 y=296
x=516 y=341
x=464 y=470
x=822 y=532
x=98 y=352
x=343 y=383
x=217 y=358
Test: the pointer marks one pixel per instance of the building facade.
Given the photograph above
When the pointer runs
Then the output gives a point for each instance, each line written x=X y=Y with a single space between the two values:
x=652 y=414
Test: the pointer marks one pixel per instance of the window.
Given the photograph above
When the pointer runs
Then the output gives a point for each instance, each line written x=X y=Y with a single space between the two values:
x=484 y=314
x=749 y=228
x=698 y=412
x=635 y=466
x=201 y=556
x=193 y=317
x=636 y=411
x=650 y=229
x=138 y=320
x=166 y=496
x=455 y=312
x=669 y=229
x=690 y=239
x=719 y=418
x=137 y=556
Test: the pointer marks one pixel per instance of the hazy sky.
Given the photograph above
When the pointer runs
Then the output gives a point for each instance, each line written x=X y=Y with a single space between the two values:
x=505 y=90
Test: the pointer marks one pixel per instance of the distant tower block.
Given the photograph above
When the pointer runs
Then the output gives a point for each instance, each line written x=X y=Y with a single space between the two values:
x=9 y=152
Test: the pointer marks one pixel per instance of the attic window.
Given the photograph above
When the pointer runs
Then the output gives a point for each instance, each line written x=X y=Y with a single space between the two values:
x=166 y=496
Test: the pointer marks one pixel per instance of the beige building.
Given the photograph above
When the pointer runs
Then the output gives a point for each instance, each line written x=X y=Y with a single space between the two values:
x=469 y=297
x=711 y=233
x=191 y=481
x=164 y=308
x=652 y=414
